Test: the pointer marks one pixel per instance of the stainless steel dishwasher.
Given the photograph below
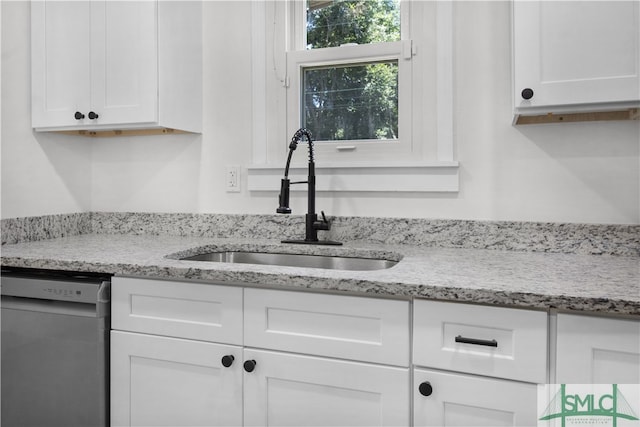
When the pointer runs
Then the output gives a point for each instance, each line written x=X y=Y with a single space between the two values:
x=55 y=348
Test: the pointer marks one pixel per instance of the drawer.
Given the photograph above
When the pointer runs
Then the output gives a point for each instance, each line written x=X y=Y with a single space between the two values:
x=177 y=309
x=348 y=327
x=493 y=341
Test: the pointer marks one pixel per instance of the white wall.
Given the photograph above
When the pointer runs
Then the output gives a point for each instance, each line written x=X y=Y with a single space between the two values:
x=583 y=172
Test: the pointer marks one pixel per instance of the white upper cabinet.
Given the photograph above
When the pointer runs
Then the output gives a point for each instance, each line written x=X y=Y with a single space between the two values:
x=61 y=71
x=576 y=57
x=124 y=62
x=105 y=65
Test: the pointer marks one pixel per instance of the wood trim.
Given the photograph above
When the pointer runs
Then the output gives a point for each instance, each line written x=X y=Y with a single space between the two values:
x=628 y=114
x=122 y=132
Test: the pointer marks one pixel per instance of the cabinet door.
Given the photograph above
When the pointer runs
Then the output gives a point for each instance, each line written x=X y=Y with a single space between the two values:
x=466 y=400
x=576 y=52
x=293 y=390
x=596 y=350
x=159 y=381
x=124 y=62
x=60 y=57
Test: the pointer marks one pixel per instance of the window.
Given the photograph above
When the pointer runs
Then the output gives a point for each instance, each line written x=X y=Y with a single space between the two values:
x=351 y=101
x=350 y=72
x=371 y=80
x=333 y=23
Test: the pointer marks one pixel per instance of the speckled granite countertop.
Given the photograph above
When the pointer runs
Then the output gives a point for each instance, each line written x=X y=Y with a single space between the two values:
x=566 y=281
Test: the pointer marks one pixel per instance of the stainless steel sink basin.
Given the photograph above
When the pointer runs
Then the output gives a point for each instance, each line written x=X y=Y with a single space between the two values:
x=295 y=260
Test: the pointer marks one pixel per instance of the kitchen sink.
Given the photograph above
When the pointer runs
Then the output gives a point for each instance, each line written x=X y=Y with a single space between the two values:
x=295 y=260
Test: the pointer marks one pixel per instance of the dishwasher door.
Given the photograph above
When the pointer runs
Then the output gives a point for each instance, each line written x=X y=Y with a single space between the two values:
x=54 y=356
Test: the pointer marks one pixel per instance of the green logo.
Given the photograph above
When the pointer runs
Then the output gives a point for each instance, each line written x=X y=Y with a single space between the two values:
x=585 y=404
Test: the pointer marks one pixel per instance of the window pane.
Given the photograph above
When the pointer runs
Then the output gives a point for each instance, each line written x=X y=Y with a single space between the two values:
x=331 y=23
x=351 y=102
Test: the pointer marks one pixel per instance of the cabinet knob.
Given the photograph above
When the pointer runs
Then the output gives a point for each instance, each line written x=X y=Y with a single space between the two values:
x=527 y=93
x=78 y=115
x=92 y=115
x=227 y=360
x=425 y=388
x=249 y=365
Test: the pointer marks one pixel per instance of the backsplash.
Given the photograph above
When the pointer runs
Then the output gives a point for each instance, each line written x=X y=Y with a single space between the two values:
x=28 y=229
x=596 y=239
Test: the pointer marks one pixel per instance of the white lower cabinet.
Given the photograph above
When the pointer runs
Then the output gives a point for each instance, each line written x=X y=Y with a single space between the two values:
x=161 y=381
x=195 y=354
x=325 y=360
x=597 y=350
x=295 y=390
x=477 y=365
x=452 y=399
x=345 y=327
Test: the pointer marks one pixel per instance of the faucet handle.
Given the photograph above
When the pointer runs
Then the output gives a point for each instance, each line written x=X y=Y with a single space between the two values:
x=324 y=224
x=324 y=218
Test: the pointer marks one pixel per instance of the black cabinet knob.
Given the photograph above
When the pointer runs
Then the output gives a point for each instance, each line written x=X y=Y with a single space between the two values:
x=425 y=388
x=227 y=360
x=92 y=115
x=526 y=93
x=78 y=115
x=249 y=365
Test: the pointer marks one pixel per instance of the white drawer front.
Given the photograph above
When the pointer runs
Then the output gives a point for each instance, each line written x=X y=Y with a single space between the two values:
x=177 y=309
x=356 y=328
x=493 y=341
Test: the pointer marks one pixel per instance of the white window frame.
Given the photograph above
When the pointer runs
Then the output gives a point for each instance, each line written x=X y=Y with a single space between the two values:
x=422 y=159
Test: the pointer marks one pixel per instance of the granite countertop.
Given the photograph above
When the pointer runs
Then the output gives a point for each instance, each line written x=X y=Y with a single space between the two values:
x=589 y=283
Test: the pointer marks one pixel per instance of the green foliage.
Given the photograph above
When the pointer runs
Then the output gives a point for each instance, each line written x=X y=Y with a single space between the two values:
x=356 y=101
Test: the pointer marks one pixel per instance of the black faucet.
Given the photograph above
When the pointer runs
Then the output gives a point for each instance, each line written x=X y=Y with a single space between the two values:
x=312 y=224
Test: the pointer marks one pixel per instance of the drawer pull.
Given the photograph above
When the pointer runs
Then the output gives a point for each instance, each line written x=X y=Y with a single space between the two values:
x=488 y=343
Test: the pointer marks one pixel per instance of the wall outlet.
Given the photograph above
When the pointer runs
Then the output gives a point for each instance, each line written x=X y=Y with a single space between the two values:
x=232 y=179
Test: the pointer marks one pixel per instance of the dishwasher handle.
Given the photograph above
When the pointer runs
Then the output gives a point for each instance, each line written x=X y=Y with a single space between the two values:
x=50 y=306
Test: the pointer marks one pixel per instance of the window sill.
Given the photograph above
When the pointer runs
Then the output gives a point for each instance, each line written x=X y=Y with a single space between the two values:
x=422 y=177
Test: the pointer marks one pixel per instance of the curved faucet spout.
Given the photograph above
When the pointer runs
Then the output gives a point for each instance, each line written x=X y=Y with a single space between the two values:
x=312 y=225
